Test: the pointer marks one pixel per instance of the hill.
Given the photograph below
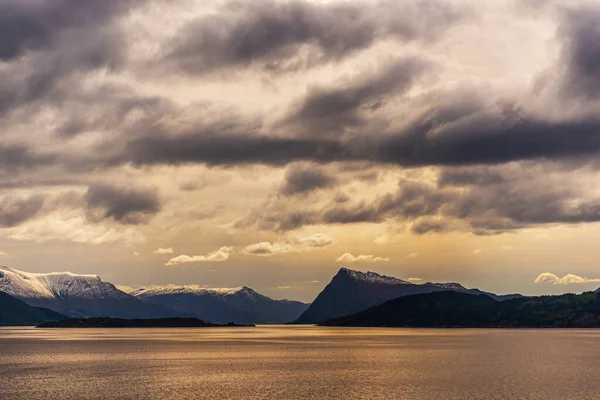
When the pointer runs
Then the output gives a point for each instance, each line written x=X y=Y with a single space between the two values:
x=14 y=312
x=352 y=291
x=455 y=309
x=242 y=304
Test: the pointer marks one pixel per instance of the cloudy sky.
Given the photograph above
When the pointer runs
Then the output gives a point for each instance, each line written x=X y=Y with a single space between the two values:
x=267 y=143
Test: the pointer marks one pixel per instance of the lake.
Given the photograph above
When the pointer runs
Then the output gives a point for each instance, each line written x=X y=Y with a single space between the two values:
x=305 y=362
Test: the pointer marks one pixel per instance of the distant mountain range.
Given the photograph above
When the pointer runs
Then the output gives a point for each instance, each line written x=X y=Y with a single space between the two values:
x=85 y=296
x=241 y=305
x=88 y=296
x=351 y=291
x=14 y=312
x=76 y=295
x=456 y=309
x=352 y=298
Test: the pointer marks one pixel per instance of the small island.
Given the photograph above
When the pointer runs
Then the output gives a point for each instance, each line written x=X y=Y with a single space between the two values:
x=105 y=322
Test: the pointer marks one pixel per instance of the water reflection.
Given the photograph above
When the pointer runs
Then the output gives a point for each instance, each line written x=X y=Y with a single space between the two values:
x=288 y=362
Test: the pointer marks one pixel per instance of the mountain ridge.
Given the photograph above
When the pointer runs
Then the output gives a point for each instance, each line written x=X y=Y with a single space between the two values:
x=463 y=310
x=221 y=305
x=15 y=312
x=352 y=291
x=76 y=295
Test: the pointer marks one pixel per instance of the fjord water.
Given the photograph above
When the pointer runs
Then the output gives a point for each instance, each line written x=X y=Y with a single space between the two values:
x=298 y=362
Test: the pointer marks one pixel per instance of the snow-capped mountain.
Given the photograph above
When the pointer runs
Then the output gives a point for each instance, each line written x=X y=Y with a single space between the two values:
x=351 y=291
x=76 y=295
x=372 y=277
x=240 y=305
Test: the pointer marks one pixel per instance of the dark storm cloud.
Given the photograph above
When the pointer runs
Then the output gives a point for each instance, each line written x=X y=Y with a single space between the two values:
x=450 y=135
x=47 y=79
x=14 y=157
x=225 y=149
x=16 y=210
x=125 y=205
x=368 y=118
x=48 y=47
x=447 y=135
x=32 y=25
x=581 y=52
x=478 y=138
x=363 y=119
x=304 y=179
x=328 y=110
x=107 y=108
x=497 y=205
x=289 y=35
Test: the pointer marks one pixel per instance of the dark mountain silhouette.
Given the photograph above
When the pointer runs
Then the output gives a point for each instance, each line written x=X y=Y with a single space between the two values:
x=456 y=309
x=15 y=312
x=352 y=291
x=241 y=305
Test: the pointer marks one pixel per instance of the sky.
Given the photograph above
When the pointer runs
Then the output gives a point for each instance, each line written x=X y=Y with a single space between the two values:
x=269 y=143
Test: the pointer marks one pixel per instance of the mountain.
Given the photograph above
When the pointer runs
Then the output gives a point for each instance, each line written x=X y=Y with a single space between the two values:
x=352 y=291
x=456 y=309
x=241 y=305
x=77 y=295
x=14 y=312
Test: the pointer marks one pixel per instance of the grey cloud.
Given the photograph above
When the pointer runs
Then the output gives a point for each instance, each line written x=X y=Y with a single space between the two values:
x=16 y=210
x=228 y=149
x=192 y=186
x=29 y=183
x=276 y=34
x=304 y=179
x=48 y=47
x=449 y=129
x=450 y=132
x=328 y=110
x=518 y=201
x=109 y=107
x=33 y=25
x=429 y=225
x=53 y=76
x=479 y=176
x=279 y=220
x=410 y=201
x=125 y=205
x=14 y=157
x=448 y=135
x=580 y=32
x=341 y=198
x=487 y=136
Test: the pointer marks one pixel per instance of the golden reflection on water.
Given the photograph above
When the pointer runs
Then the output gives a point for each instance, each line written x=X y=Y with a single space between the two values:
x=260 y=332
x=298 y=362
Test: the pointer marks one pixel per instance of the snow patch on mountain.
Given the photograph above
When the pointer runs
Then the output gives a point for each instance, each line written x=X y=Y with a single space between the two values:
x=27 y=285
x=186 y=289
x=372 y=277
x=450 y=286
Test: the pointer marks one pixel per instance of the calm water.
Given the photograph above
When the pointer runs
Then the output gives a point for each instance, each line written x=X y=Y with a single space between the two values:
x=299 y=363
